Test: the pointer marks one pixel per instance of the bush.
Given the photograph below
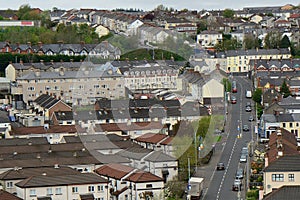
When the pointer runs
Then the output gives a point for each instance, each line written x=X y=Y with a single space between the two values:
x=252 y=194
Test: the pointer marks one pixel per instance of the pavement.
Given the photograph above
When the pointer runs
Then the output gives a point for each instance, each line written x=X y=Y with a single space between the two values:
x=207 y=171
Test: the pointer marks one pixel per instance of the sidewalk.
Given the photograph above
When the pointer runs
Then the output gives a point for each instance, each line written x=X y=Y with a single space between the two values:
x=207 y=171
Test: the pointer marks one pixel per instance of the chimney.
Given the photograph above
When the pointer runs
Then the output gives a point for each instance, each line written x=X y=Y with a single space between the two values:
x=29 y=44
x=42 y=61
x=21 y=62
x=40 y=44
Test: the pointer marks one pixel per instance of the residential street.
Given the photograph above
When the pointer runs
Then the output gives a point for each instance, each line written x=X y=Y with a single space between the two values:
x=218 y=184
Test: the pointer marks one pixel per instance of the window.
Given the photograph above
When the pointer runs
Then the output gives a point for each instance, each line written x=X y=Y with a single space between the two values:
x=283 y=125
x=49 y=191
x=100 y=188
x=291 y=124
x=32 y=193
x=30 y=88
x=91 y=188
x=58 y=191
x=291 y=177
x=148 y=185
x=74 y=189
x=277 y=177
x=9 y=184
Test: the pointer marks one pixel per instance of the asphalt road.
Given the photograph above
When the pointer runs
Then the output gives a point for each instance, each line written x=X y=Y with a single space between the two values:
x=218 y=184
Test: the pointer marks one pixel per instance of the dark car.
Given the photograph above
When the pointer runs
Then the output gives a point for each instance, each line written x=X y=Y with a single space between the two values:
x=237 y=185
x=220 y=166
x=245 y=127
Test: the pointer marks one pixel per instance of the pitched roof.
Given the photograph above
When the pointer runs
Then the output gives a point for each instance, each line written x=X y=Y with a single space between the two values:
x=286 y=163
x=158 y=156
x=114 y=170
x=44 y=181
x=24 y=173
x=8 y=196
x=142 y=177
x=42 y=130
x=290 y=192
x=288 y=143
x=153 y=138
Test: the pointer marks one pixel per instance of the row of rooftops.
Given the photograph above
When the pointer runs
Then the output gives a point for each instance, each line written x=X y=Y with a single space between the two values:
x=61 y=47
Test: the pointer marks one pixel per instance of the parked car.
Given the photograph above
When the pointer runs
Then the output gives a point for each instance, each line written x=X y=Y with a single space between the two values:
x=233 y=99
x=245 y=150
x=237 y=185
x=243 y=158
x=220 y=166
x=239 y=174
x=248 y=104
x=248 y=109
x=251 y=118
x=245 y=127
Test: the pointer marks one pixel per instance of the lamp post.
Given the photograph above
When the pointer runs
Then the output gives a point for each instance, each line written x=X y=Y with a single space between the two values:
x=195 y=143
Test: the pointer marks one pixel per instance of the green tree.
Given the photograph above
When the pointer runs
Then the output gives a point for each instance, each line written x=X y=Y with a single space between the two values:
x=251 y=42
x=228 y=13
x=272 y=40
x=284 y=89
x=257 y=95
x=285 y=42
x=201 y=26
x=227 y=84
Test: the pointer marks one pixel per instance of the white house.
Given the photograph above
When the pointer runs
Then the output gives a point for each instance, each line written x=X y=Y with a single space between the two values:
x=129 y=183
x=66 y=187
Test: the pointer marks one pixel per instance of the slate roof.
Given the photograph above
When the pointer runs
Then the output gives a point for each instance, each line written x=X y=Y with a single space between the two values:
x=64 y=115
x=287 y=163
x=249 y=52
x=135 y=153
x=23 y=141
x=46 y=101
x=158 y=156
x=290 y=192
x=23 y=173
x=45 y=181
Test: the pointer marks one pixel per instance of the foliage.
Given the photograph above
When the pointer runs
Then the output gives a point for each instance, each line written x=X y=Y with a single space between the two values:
x=251 y=42
x=252 y=194
x=228 y=44
x=228 y=13
x=259 y=110
x=227 y=84
x=272 y=40
x=257 y=95
x=201 y=26
x=176 y=189
x=177 y=45
x=285 y=42
x=284 y=89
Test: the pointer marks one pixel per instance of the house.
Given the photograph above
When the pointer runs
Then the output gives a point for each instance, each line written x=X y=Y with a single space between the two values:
x=130 y=183
x=47 y=105
x=9 y=178
x=282 y=143
x=209 y=38
x=270 y=96
x=285 y=192
x=284 y=171
x=68 y=187
x=156 y=162
x=212 y=91
x=64 y=85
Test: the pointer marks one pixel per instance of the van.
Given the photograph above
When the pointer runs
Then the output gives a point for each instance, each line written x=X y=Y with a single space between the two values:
x=233 y=87
x=248 y=94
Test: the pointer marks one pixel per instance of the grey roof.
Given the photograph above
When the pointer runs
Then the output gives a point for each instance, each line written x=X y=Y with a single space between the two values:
x=257 y=52
x=287 y=163
x=46 y=101
x=271 y=118
x=44 y=181
x=289 y=101
x=135 y=153
x=64 y=115
x=68 y=75
x=24 y=173
x=158 y=156
x=23 y=141
x=290 y=192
